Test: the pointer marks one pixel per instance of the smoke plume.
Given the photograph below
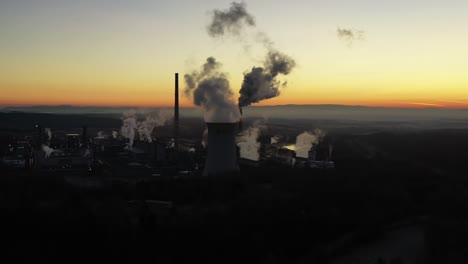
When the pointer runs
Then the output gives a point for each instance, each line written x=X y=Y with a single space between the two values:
x=261 y=83
x=305 y=141
x=231 y=20
x=128 y=127
x=350 y=35
x=48 y=150
x=115 y=134
x=210 y=68
x=210 y=90
x=145 y=127
x=204 y=141
x=248 y=142
x=49 y=133
x=153 y=120
x=100 y=135
x=275 y=139
x=87 y=153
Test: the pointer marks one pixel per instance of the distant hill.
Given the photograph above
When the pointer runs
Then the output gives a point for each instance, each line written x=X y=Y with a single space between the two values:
x=65 y=109
x=18 y=120
x=334 y=112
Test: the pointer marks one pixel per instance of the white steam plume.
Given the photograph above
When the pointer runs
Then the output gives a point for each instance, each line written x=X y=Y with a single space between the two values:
x=210 y=90
x=128 y=127
x=145 y=127
x=275 y=139
x=305 y=141
x=248 y=142
x=48 y=150
x=100 y=135
x=49 y=133
x=153 y=120
x=115 y=134
x=204 y=141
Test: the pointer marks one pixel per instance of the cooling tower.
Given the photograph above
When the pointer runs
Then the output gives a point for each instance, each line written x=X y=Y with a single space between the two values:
x=221 y=159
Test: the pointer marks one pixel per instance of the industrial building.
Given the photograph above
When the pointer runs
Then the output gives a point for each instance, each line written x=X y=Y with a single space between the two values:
x=18 y=155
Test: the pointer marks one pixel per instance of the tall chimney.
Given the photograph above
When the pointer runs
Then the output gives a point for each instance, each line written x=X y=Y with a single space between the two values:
x=176 y=117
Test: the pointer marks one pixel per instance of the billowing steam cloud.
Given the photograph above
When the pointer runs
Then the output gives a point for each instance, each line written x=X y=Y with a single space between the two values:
x=204 y=141
x=248 y=142
x=261 y=83
x=47 y=150
x=49 y=133
x=145 y=128
x=100 y=135
x=305 y=141
x=128 y=127
x=350 y=35
x=209 y=69
x=231 y=20
x=275 y=139
x=210 y=90
x=115 y=134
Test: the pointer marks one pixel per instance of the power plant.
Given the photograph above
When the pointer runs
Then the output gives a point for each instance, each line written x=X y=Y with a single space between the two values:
x=168 y=155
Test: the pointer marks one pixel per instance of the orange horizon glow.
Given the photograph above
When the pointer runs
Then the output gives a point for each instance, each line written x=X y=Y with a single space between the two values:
x=126 y=54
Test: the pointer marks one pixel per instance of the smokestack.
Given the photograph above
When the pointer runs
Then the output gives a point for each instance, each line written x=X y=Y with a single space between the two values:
x=222 y=156
x=176 y=116
x=84 y=136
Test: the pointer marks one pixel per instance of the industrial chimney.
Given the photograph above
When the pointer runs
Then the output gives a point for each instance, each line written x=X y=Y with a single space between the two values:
x=176 y=117
x=222 y=158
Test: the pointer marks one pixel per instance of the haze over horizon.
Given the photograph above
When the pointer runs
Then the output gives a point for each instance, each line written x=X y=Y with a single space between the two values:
x=113 y=53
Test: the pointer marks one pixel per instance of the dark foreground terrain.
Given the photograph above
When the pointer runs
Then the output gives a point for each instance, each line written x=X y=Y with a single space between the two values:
x=397 y=195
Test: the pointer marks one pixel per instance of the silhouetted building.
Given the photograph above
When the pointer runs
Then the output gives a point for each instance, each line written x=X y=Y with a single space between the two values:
x=72 y=141
x=222 y=156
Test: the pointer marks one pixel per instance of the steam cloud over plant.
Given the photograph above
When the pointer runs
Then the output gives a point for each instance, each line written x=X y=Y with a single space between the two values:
x=231 y=20
x=48 y=131
x=350 y=35
x=261 y=82
x=210 y=89
x=305 y=141
x=145 y=128
x=47 y=150
x=128 y=127
x=248 y=142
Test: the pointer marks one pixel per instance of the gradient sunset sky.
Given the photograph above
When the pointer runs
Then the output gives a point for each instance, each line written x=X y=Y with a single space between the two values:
x=124 y=53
